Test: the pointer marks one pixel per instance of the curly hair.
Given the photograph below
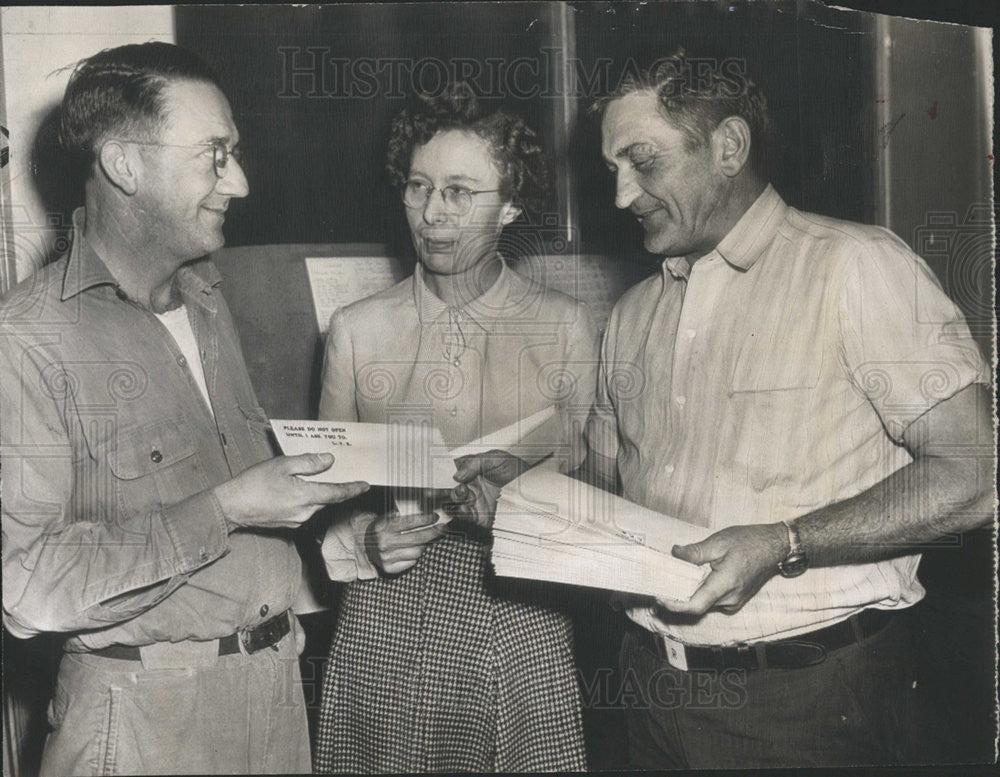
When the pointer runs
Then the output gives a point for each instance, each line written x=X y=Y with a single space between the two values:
x=517 y=152
x=694 y=99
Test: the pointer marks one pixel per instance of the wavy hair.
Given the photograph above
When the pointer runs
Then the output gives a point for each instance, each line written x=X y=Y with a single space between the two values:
x=694 y=99
x=516 y=149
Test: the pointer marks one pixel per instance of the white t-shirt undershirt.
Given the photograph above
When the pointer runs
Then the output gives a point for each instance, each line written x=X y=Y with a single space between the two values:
x=177 y=323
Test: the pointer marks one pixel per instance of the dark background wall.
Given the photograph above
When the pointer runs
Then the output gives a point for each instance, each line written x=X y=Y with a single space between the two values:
x=316 y=137
x=813 y=66
x=315 y=89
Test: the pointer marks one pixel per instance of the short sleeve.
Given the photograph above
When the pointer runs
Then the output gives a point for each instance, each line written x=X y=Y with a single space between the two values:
x=904 y=343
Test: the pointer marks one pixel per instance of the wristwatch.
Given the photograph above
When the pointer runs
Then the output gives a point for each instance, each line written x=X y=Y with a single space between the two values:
x=796 y=562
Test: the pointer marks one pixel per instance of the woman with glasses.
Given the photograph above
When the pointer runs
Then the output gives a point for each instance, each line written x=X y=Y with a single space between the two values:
x=436 y=664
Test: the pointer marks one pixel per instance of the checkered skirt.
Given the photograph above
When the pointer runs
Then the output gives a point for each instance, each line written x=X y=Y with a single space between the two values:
x=447 y=668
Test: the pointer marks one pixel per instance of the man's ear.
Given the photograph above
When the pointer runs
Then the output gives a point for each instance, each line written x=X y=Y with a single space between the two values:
x=732 y=141
x=510 y=213
x=118 y=166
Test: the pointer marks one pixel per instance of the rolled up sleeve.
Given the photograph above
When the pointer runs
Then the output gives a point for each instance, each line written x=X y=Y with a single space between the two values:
x=904 y=343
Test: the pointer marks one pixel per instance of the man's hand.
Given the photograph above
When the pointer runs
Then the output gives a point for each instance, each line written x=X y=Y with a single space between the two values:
x=271 y=495
x=498 y=467
x=475 y=501
x=480 y=477
x=743 y=558
x=394 y=542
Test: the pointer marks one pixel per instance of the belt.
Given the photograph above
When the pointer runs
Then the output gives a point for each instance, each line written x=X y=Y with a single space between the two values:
x=793 y=653
x=266 y=634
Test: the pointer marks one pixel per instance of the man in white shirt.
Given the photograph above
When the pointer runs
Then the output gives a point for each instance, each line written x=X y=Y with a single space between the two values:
x=802 y=387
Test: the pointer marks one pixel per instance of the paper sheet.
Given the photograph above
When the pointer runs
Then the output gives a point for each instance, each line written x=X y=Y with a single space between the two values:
x=335 y=282
x=512 y=437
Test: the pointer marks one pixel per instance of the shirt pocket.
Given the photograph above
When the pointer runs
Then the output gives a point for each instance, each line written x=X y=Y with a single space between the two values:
x=772 y=396
x=153 y=466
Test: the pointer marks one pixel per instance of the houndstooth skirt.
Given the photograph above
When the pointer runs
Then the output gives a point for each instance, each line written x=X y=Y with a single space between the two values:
x=446 y=668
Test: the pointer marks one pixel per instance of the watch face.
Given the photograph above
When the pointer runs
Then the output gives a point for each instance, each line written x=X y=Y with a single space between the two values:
x=794 y=565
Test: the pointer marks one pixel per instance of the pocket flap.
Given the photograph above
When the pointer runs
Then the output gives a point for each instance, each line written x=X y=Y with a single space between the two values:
x=146 y=449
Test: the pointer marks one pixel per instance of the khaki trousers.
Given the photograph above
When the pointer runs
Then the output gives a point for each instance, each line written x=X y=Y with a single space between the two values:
x=227 y=714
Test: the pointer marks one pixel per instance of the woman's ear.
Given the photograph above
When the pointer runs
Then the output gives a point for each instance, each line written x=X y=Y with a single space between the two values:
x=509 y=214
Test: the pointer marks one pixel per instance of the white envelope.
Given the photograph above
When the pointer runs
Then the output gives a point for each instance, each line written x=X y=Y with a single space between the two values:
x=402 y=455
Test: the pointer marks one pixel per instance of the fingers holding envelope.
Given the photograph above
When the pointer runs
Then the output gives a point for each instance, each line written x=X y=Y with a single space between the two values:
x=475 y=501
x=394 y=542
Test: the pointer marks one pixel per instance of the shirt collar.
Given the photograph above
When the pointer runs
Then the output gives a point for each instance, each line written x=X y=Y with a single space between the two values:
x=744 y=244
x=85 y=268
x=484 y=311
x=753 y=233
x=200 y=275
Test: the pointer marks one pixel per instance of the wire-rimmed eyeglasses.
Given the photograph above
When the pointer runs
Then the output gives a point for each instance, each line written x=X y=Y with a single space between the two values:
x=220 y=154
x=456 y=198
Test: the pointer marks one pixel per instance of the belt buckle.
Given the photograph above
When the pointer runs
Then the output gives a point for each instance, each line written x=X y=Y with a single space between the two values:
x=243 y=640
x=749 y=656
x=674 y=653
x=266 y=634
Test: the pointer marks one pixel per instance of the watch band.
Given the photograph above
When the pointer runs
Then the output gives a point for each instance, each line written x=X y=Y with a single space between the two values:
x=796 y=562
x=794 y=543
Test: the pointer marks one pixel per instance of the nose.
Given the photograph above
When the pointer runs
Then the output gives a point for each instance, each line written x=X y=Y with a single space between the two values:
x=626 y=189
x=435 y=211
x=233 y=182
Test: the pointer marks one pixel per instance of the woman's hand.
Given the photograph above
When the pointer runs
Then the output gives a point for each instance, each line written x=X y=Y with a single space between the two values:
x=394 y=542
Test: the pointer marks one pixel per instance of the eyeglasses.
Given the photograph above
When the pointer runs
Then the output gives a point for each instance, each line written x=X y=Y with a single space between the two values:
x=456 y=198
x=220 y=154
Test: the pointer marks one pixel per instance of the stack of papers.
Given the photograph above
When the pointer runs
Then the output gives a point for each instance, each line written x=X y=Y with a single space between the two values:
x=551 y=527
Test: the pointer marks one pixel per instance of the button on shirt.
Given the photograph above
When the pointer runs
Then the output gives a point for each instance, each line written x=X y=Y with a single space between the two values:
x=774 y=377
x=404 y=355
x=108 y=452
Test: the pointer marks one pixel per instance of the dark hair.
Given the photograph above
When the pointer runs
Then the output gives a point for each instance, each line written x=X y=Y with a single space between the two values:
x=516 y=149
x=696 y=94
x=120 y=90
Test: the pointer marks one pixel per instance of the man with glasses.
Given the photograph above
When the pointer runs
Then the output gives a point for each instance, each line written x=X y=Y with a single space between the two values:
x=143 y=513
